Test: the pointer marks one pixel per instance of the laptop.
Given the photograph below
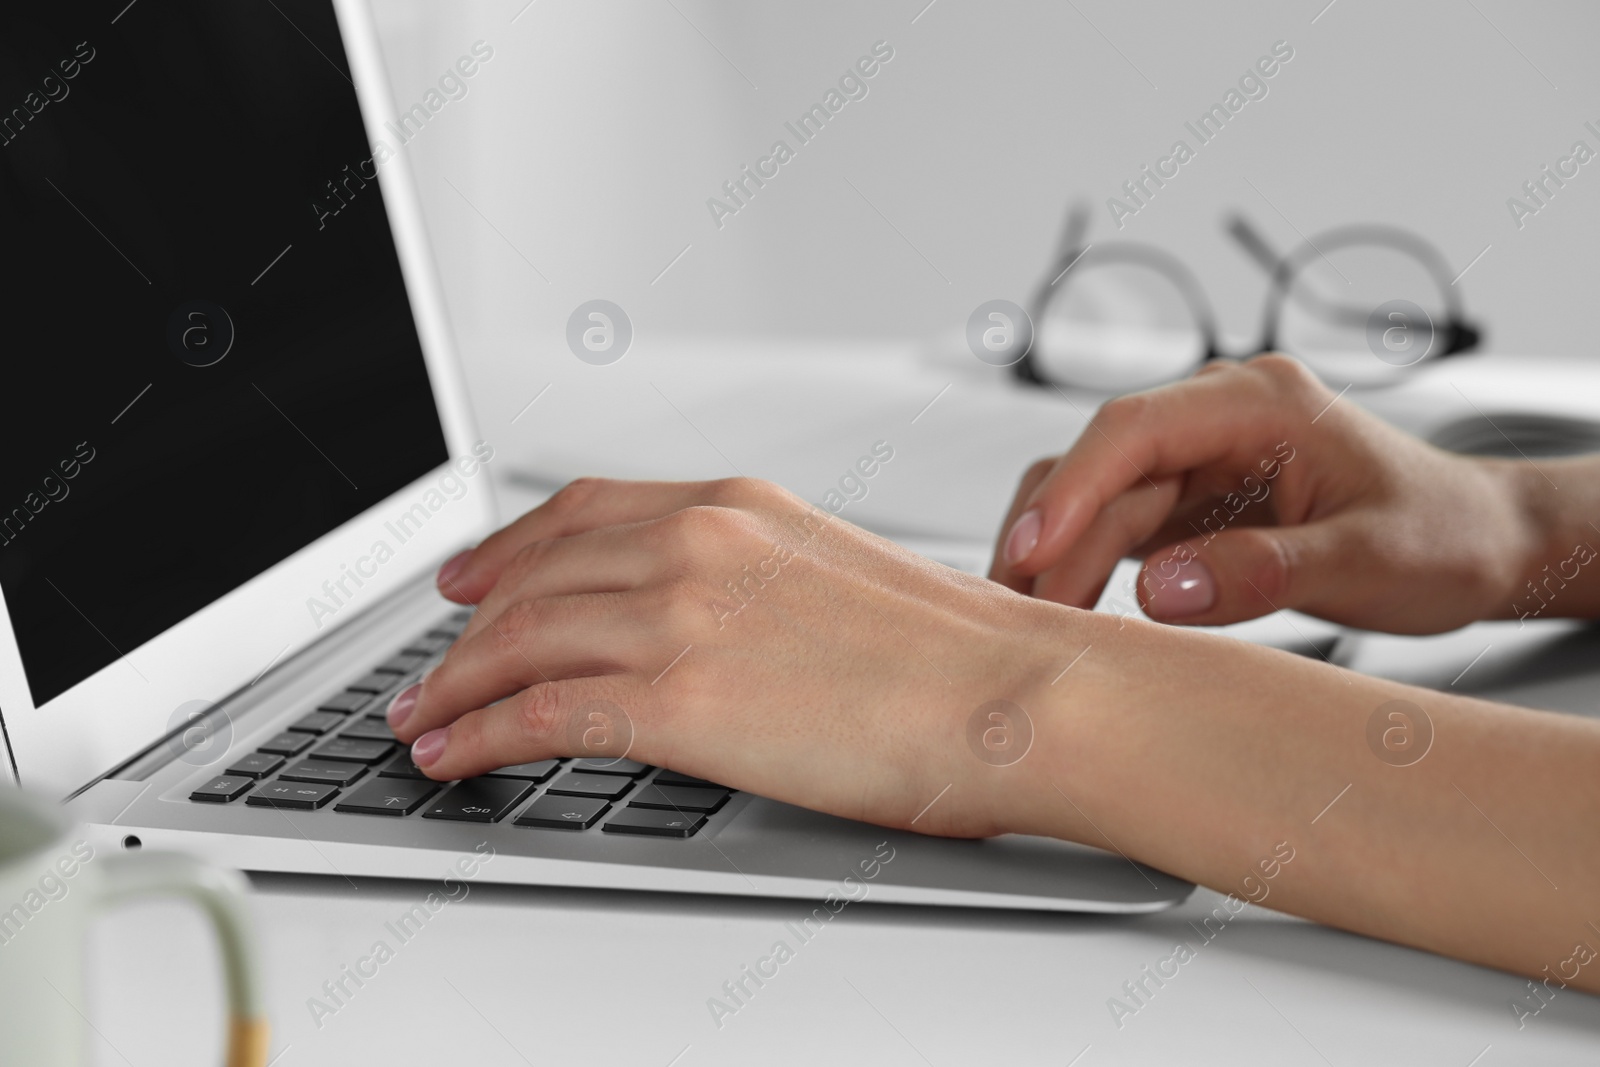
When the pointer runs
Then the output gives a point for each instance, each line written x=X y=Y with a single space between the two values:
x=237 y=447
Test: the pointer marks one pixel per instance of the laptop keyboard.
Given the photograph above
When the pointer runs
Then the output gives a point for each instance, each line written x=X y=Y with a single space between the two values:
x=342 y=755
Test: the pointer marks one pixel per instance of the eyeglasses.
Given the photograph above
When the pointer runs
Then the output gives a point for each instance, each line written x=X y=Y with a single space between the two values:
x=1358 y=304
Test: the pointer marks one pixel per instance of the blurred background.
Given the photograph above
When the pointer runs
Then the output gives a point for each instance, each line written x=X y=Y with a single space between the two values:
x=825 y=313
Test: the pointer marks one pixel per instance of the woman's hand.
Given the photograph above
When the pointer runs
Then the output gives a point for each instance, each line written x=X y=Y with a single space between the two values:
x=1248 y=488
x=732 y=631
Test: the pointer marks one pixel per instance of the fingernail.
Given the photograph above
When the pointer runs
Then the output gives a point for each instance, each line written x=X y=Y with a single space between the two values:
x=401 y=706
x=1024 y=536
x=429 y=747
x=453 y=567
x=1191 y=591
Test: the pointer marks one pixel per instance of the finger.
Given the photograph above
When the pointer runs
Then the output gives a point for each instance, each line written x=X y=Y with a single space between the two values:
x=534 y=642
x=999 y=570
x=535 y=724
x=1205 y=518
x=605 y=560
x=1126 y=522
x=1321 y=568
x=1229 y=416
x=585 y=504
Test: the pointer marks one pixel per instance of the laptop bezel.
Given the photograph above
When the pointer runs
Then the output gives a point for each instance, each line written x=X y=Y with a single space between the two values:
x=118 y=711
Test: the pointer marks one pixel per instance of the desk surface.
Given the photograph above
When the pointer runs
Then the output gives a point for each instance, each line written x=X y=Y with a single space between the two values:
x=509 y=976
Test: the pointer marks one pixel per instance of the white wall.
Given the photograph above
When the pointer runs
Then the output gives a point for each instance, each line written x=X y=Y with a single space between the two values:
x=593 y=138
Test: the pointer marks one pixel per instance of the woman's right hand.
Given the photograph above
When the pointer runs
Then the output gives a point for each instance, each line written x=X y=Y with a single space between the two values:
x=1252 y=487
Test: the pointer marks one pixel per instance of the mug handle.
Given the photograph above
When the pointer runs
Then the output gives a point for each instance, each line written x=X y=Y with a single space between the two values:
x=220 y=894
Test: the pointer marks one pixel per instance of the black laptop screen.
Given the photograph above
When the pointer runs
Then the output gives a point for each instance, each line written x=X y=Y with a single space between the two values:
x=210 y=358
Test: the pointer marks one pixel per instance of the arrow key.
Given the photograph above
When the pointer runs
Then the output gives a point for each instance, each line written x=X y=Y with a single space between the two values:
x=389 y=796
x=480 y=800
x=304 y=796
x=651 y=822
x=563 y=813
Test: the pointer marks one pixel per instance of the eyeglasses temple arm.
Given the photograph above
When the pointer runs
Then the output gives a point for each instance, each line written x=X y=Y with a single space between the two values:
x=1250 y=239
x=1240 y=229
x=1073 y=231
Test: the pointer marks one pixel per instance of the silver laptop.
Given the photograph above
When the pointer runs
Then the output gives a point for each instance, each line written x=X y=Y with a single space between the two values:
x=237 y=448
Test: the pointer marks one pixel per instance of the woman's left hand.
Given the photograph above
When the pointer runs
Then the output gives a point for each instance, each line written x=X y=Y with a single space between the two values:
x=730 y=630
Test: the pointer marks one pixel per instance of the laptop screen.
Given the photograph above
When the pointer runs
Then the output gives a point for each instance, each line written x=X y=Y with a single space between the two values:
x=211 y=359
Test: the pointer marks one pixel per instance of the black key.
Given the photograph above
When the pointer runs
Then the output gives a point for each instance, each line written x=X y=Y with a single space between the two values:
x=223 y=788
x=452 y=626
x=353 y=751
x=388 y=796
x=371 y=728
x=607 y=786
x=318 y=722
x=427 y=645
x=329 y=771
x=650 y=822
x=288 y=743
x=346 y=702
x=400 y=663
x=281 y=794
x=376 y=682
x=256 y=765
x=610 y=765
x=533 y=772
x=679 y=798
x=401 y=767
x=563 y=813
x=674 y=778
x=480 y=800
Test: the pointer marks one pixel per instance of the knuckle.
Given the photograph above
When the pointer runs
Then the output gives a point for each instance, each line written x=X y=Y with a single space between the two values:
x=539 y=715
x=738 y=492
x=1286 y=373
x=1272 y=567
x=572 y=497
x=527 y=560
x=704 y=525
x=1123 y=413
x=521 y=621
x=684 y=608
x=691 y=538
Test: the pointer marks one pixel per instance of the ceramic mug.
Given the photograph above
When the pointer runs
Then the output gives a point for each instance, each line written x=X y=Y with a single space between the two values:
x=52 y=881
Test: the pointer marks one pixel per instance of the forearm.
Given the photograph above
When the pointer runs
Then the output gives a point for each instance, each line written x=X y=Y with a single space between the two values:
x=1214 y=760
x=1558 y=577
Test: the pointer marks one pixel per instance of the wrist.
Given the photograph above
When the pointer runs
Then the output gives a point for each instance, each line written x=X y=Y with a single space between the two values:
x=1556 y=539
x=1066 y=655
x=1537 y=503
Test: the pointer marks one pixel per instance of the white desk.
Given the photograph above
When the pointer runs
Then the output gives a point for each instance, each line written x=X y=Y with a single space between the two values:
x=511 y=976
x=533 y=976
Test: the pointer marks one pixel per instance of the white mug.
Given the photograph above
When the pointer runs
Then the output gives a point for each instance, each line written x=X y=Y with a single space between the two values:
x=51 y=882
